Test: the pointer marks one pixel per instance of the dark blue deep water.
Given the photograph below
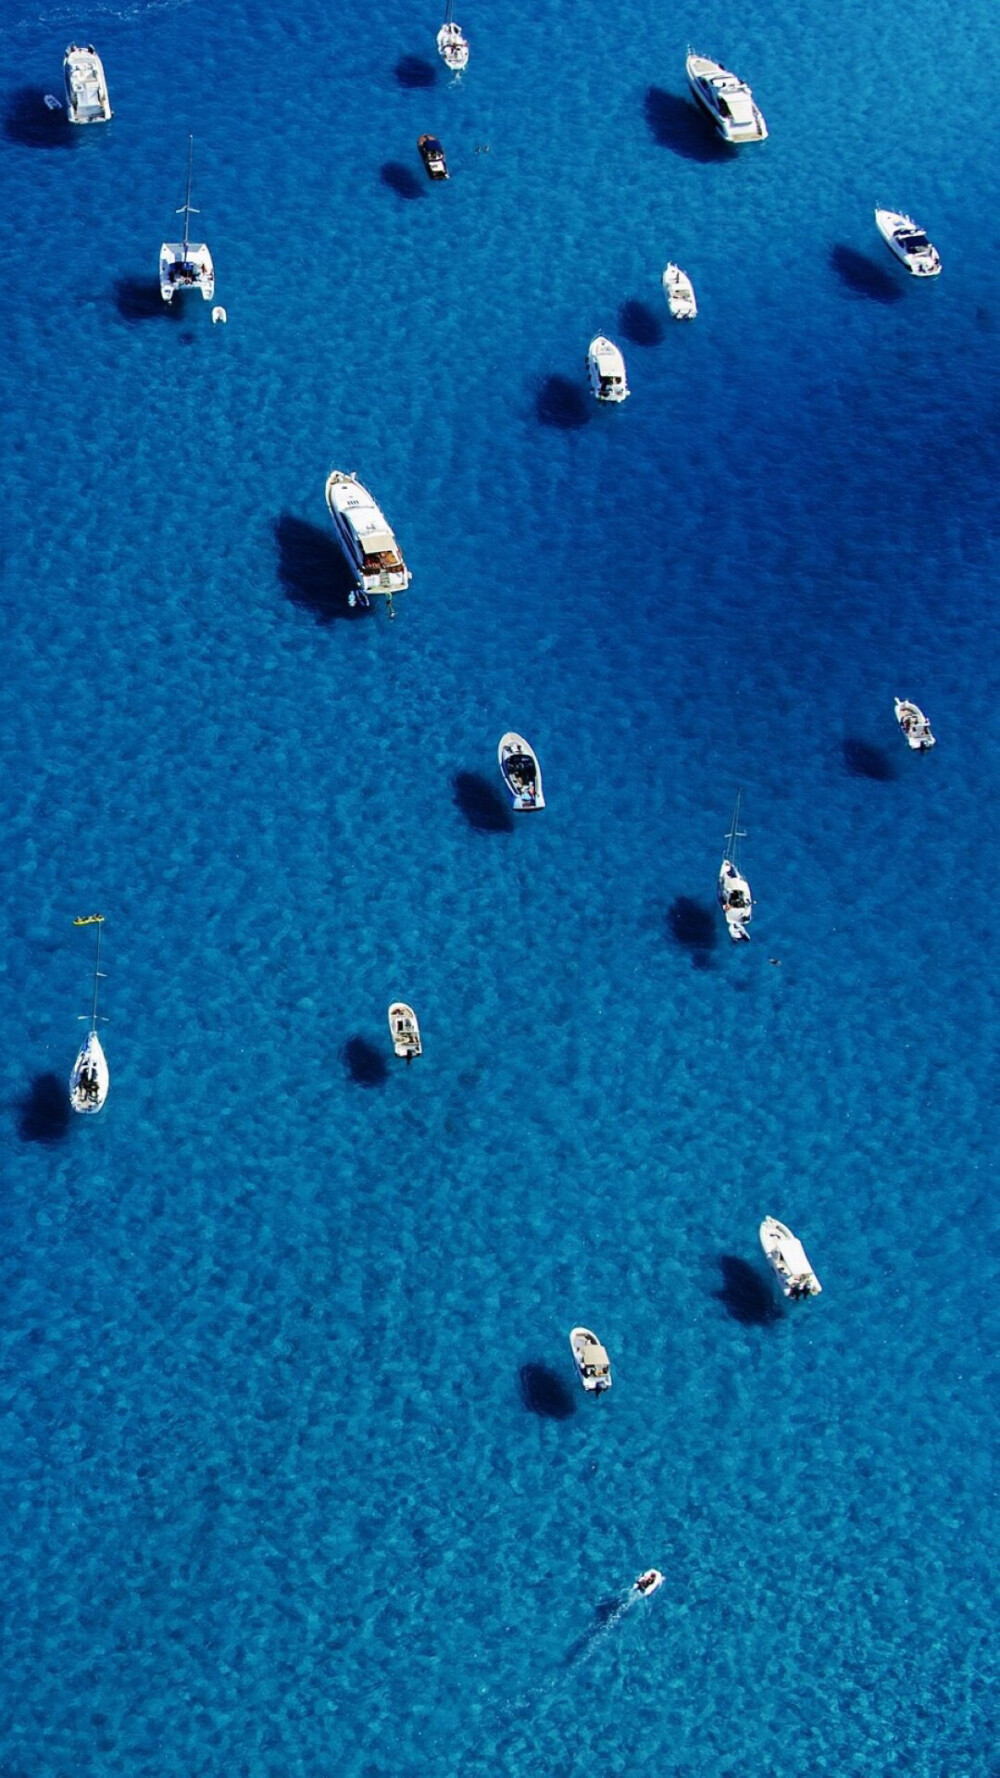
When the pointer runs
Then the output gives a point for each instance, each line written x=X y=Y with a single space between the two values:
x=295 y=1477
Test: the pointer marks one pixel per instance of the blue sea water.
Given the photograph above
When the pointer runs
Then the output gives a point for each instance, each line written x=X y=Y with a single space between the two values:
x=295 y=1476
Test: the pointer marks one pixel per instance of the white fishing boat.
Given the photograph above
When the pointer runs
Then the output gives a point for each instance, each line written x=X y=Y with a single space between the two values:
x=89 y=1081
x=452 y=47
x=787 y=1259
x=907 y=240
x=591 y=1360
x=367 y=539
x=735 y=899
x=405 y=1030
x=86 y=88
x=679 y=292
x=606 y=370
x=725 y=99
x=187 y=264
x=648 y=1582
x=521 y=771
x=914 y=725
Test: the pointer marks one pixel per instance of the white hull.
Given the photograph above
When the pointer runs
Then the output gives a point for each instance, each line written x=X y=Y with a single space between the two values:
x=366 y=536
x=191 y=270
x=649 y=1582
x=591 y=1360
x=86 y=88
x=907 y=242
x=914 y=725
x=90 y=1080
x=453 y=48
x=679 y=292
x=606 y=370
x=726 y=100
x=521 y=771
x=787 y=1259
x=405 y=1030
x=735 y=901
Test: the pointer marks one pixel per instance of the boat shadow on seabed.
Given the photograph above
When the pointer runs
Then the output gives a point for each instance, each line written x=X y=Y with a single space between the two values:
x=313 y=571
x=29 y=122
x=44 y=1112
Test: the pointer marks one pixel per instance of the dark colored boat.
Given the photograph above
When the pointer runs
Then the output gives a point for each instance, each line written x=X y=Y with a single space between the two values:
x=432 y=155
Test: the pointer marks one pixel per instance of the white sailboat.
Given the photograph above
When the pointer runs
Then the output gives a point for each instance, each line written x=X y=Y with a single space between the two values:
x=89 y=1081
x=452 y=46
x=187 y=264
x=735 y=899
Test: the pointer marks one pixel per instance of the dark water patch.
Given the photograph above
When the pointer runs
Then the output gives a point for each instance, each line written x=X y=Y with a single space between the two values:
x=28 y=121
x=414 y=73
x=139 y=299
x=313 y=570
x=562 y=404
x=640 y=324
x=863 y=760
x=402 y=180
x=365 y=1063
x=677 y=124
x=545 y=1393
x=45 y=1110
x=482 y=804
x=693 y=925
x=747 y=1296
x=866 y=277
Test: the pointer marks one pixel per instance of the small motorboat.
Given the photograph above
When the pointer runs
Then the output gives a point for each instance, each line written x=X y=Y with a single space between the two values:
x=735 y=899
x=647 y=1582
x=86 y=88
x=592 y=1360
x=726 y=99
x=405 y=1030
x=787 y=1259
x=432 y=155
x=679 y=292
x=89 y=1081
x=522 y=773
x=219 y=314
x=914 y=725
x=906 y=239
x=606 y=369
x=452 y=46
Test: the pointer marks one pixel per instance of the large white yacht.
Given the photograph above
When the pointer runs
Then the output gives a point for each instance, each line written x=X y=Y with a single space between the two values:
x=727 y=100
x=735 y=899
x=606 y=370
x=592 y=1361
x=367 y=537
x=187 y=264
x=86 y=88
x=787 y=1259
x=90 y=1078
x=906 y=239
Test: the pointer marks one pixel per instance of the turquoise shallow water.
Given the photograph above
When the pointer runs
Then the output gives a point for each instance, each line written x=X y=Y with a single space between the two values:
x=295 y=1477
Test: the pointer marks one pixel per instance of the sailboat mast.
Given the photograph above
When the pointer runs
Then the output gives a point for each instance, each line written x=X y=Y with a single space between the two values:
x=187 y=199
x=97 y=977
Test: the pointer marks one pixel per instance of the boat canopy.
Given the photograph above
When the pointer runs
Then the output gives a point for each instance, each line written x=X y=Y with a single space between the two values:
x=377 y=543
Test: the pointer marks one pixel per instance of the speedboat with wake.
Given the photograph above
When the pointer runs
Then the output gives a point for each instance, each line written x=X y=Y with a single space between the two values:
x=906 y=239
x=405 y=1030
x=367 y=538
x=787 y=1259
x=727 y=100
x=735 y=899
x=606 y=370
x=187 y=264
x=647 y=1582
x=452 y=46
x=521 y=771
x=914 y=725
x=679 y=292
x=86 y=88
x=89 y=1081
x=591 y=1359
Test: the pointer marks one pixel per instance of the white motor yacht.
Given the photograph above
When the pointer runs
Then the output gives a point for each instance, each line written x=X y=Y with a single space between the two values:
x=452 y=46
x=787 y=1258
x=592 y=1361
x=405 y=1030
x=89 y=1081
x=187 y=264
x=679 y=292
x=367 y=538
x=914 y=725
x=86 y=88
x=735 y=899
x=726 y=100
x=522 y=773
x=606 y=369
x=906 y=239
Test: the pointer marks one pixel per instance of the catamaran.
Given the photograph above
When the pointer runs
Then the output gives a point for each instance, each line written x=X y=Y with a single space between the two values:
x=735 y=899
x=89 y=1081
x=187 y=264
x=452 y=46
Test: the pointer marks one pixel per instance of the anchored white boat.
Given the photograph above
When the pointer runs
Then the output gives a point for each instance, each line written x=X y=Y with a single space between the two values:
x=727 y=100
x=907 y=240
x=89 y=1081
x=648 y=1582
x=787 y=1258
x=86 y=88
x=522 y=773
x=914 y=725
x=679 y=292
x=606 y=369
x=735 y=899
x=591 y=1359
x=187 y=264
x=367 y=539
x=405 y=1030
x=452 y=46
